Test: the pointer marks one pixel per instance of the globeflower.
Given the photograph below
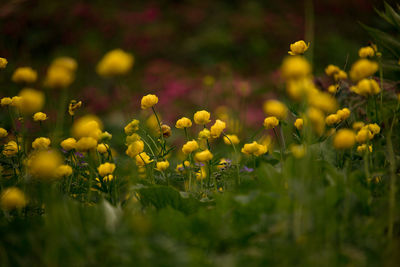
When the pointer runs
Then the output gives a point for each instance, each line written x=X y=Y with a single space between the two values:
x=366 y=52
x=3 y=63
x=363 y=68
x=63 y=171
x=299 y=124
x=202 y=117
x=330 y=70
x=67 y=63
x=230 y=139
x=142 y=159
x=3 y=133
x=102 y=148
x=275 y=108
x=217 y=128
x=295 y=67
x=344 y=139
x=132 y=138
x=131 y=127
x=106 y=168
x=149 y=101
x=183 y=123
x=162 y=165
x=41 y=143
x=366 y=87
x=5 y=101
x=85 y=144
x=40 y=116
x=68 y=144
x=271 y=122
x=58 y=77
x=332 y=119
x=204 y=134
x=44 y=164
x=24 y=75
x=298 y=48
x=11 y=149
x=254 y=148
x=87 y=126
x=12 y=198
x=190 y=146
x=135 y=148
x=31 y=100
x=203 y=156
x=115 y=63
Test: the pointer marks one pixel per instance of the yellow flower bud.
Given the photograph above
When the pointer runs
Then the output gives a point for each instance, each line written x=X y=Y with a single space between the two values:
x=254 y=149
x=3 y=63
x=230 y=139
x=68 y=144
x=41 y=143
x=298 y=48
x=114 y=63
x=201 y=117
x=203 y=156
x=270 y=122
x=149 y=101
x=106 y=168
x=3 y=133
x=24 y=75
x=5 y=101
x=333 y=88
x=40 y=116
x=63 y=171
x=275 y=108
x=344 y=139
x=217 y=128
x=190 y=146
x=12 y=198
x=102 y=148
x=330 y=70
x=366 y=52
x=11 y=149
x=358 y=125
x=332 y=119
x=299 y=124
x=183 y=123
x=162 y=165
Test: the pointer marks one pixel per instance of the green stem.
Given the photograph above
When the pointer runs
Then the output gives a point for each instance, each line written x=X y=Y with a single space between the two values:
x=161 y=133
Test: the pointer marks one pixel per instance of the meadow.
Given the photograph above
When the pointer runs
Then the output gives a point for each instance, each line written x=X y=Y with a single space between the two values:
x=306 y=175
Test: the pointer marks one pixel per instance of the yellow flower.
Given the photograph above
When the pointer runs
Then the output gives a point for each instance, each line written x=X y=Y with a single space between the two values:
x=299 y=124
x=366 y=87
x=299 y=88
x=16 y=101
x=162 y=165
x=11 y=149
x=105 y=136
x=12 y=198
x=363 y=68
x=135 y=148
x=358 y=125
x=255 y=149
x=298 y=48
x=44 y=164
x=332 y=119
x=344 y=139
x=181 y=167
x=41 y=143
x=132 y=138
x=166 y=130
x=217 y=128
x=330 y=70
x=24 y=75
x=40 y=116
x=341 y=75
x=271 y=122
x=3 y=63
x=204 y=134
x=106 y=168
x=362 y=148
x=231 y=138
x=343 y=113
x=323 y=101
x=203 y=156
x=63 y=171
x=142 y=159
x=374 y=128
x=190 y=146
x=58 y=77
x=102 y=148
x=68 y=144
x=5 y=101
x=202 y=117
x=73 y=106
x=148 y=101
x=275 y=108
x=3 y=133
x=366 y=52
x=333 y=88
x=298 y=151
x=317 y=120
x=131 y=127
x=114 y=63
x=183 y=123
x=364 y=135
x=65 y=62
x=31 y=101
x=87 y=126
x=85 y=144
x=295 y=67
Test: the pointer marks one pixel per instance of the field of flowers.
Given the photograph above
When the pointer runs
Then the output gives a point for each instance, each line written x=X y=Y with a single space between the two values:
x=306 y=175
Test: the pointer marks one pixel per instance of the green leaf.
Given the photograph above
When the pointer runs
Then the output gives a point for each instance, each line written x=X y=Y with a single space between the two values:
x=395 y=17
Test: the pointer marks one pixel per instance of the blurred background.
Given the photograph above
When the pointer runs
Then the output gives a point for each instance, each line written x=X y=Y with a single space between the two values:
x=192 y=54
